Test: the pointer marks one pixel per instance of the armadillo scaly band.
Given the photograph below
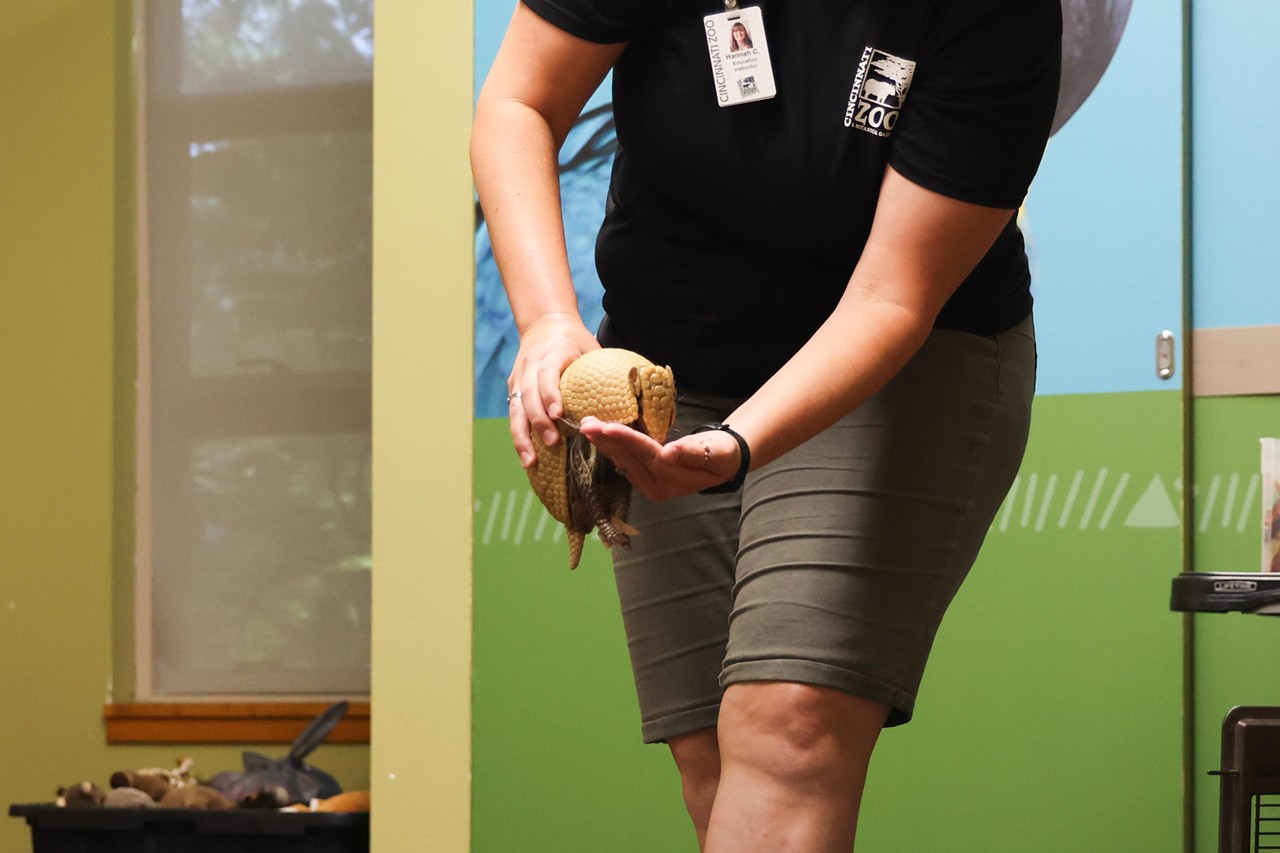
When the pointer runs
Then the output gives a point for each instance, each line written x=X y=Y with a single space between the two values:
x=580 y=487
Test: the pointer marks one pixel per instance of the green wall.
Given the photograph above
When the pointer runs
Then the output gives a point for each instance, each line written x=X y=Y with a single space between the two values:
x=66 y=405
x=1049 y=719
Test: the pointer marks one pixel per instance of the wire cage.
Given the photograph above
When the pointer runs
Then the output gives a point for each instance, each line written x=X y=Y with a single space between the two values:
x=1249 y=775
x=1266 y=823
x=1249 y=781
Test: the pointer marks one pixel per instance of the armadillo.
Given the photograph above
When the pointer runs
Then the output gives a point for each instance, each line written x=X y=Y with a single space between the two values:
x=581 y=488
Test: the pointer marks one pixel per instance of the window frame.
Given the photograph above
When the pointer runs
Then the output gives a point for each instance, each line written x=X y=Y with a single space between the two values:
x=308 y=409
x=228 y=722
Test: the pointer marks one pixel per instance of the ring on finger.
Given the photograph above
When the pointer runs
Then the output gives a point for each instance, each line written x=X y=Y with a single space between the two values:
x=514 y=395
x=706 y=456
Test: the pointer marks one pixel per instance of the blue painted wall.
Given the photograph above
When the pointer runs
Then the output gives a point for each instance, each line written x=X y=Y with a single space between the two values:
x=1236 y=175
x=1104 y=220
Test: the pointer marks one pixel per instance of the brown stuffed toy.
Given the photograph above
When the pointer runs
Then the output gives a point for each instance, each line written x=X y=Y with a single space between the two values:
x=194 y=796
x=170 y=789
x=154 y=783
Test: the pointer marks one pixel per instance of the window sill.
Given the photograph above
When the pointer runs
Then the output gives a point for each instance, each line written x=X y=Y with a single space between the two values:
x=227 y=722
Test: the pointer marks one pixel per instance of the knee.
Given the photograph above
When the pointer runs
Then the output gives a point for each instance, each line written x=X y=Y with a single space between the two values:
x=697 y=757
x=798 y=734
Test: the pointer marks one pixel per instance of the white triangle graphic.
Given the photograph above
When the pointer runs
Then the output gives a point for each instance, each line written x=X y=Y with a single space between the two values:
x=1154 y=508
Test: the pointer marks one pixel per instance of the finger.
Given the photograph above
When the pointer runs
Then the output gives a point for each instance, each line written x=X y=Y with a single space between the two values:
x=619 y=441
x=543 y=404
x=689 y=452
x=637 y=456
x=611 y=445
x=519 y=425
x=715 y=455
x=535 y=412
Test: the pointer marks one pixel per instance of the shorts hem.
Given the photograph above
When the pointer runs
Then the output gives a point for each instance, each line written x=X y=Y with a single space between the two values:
x=901 y=704
x=681 y=723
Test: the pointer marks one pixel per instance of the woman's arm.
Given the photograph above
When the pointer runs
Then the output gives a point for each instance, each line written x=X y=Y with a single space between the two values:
x=921 y=247
x=535 y=90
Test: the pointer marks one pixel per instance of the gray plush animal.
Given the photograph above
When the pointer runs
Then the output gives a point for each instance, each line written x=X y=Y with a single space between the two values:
x=84 y=795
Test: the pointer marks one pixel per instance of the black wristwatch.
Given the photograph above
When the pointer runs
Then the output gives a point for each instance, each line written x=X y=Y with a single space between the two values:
x=744 y=453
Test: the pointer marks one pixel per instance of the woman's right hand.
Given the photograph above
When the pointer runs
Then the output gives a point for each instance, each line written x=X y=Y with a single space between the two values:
x=547 y=347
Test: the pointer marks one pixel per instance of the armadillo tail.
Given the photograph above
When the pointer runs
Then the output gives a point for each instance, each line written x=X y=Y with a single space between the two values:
x=576 y=540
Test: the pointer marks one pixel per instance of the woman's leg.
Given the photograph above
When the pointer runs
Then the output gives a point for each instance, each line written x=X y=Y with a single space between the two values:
x=697 y=756
x=675 y=586
x=793 y=761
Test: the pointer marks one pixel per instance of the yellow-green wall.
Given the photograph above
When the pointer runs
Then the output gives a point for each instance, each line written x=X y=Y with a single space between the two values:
x=66 y=366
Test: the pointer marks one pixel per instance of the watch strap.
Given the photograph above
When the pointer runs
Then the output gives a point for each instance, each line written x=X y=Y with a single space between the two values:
x=744 y=453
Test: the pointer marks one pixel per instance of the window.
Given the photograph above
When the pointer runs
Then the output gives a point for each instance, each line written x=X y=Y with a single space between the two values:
x=254 y=349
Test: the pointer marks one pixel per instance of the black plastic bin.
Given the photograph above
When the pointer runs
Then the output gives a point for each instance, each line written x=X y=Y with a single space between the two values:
x=101 y=830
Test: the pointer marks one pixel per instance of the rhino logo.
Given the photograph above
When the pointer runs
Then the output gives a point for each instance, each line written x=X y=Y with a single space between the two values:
x=882 y=91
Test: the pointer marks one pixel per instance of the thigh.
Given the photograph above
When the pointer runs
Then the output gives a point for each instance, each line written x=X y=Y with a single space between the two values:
x=853 y=544
x=675 y=587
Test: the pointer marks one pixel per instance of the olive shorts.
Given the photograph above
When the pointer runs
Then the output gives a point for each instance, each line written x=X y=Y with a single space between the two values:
x=835 y=563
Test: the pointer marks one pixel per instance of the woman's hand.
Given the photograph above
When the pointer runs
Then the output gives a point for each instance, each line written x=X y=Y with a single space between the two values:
x=685 y=466
x=547 y=347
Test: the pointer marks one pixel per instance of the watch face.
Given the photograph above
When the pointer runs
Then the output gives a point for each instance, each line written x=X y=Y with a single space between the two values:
x=1091 y=31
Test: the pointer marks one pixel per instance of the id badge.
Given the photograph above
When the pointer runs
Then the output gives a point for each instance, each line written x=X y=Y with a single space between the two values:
x=739 y=51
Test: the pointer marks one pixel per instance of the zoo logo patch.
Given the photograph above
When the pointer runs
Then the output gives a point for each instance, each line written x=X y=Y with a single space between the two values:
x=879 y=91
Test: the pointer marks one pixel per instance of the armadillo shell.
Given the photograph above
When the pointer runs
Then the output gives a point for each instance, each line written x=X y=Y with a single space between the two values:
x=619 y=386
x=548 y=477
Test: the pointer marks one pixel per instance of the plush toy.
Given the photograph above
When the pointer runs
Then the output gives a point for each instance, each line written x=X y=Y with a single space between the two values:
x=84 y=795
x=169 y=789
x=270 y=797
x=194 y=796
x=301 y=783
x=154 y=783
x=350 y=801
x=128 y=798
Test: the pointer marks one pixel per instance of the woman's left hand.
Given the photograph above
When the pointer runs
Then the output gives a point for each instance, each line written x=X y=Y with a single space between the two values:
x=684 y=466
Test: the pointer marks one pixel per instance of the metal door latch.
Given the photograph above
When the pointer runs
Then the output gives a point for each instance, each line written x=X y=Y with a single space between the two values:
x=1164 y=355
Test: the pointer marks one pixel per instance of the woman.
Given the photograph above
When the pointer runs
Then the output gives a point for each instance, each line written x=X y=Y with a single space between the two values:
x=738 y=38
x=855 y=392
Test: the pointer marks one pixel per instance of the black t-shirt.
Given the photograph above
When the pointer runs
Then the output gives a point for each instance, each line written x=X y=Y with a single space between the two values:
x=731 y=232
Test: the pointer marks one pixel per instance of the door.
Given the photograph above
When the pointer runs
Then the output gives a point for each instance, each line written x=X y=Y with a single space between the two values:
x=1236 y=320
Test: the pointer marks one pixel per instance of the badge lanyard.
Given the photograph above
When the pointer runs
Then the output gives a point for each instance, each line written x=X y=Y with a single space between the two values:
x=739 y=52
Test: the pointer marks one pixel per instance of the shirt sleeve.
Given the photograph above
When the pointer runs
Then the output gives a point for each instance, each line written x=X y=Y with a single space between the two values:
x=977 y=116
x=599 y=21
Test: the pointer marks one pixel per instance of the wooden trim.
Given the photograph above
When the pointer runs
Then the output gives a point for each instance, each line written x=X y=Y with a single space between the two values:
x=1235 y=361
x=227 y=722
